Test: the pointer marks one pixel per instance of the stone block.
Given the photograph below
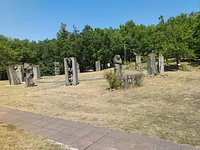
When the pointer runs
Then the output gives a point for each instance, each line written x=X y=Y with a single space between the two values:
x=71 y=72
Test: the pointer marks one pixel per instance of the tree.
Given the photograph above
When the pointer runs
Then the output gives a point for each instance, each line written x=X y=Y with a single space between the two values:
x=179 y=37
x=7 y=57
x=128 y=32
x=196 y=33
x=87 y=49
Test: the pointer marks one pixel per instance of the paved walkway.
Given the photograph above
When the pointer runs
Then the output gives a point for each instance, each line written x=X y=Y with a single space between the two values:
x=84 y=136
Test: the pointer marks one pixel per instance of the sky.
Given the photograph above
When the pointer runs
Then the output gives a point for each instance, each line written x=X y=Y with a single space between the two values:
x=41 y=19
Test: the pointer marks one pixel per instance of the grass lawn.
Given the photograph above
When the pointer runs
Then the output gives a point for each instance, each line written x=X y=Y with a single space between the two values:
x=165 y=106
x=12 y=138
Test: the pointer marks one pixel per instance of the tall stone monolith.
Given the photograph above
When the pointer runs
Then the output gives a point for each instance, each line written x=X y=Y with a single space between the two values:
x=71 y=72
x=14 y=73
x=161 y=63
x=151 y=66
x=36 y=72
x=98 y=65
x=29 y=74
x=138 y=62
x=57 y=68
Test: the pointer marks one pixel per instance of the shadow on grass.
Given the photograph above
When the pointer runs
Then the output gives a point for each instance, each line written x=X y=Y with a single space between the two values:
x=194 y=63
x=171 y=67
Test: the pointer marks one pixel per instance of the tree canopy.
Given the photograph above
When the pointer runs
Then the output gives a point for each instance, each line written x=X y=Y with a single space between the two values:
x=178 y=37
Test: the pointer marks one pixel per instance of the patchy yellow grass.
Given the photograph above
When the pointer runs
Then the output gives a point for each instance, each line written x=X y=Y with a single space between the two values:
x=165 y=106
x=12 y=138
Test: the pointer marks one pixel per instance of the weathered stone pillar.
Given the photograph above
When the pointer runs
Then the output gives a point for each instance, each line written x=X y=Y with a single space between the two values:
x=98 y=66
x=28 y=70
x=151 y=66
x=138 y=62
x=71 y=73
x=14 y=73
x=78 y=67
x=36 y=72
x=57 y=68
x=161 y=63
x=117 y=65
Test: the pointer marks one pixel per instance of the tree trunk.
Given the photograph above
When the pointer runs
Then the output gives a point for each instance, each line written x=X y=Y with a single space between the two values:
x=178 y=61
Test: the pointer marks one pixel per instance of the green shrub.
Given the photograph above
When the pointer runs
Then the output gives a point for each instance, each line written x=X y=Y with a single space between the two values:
x=185 y=67
x=11 y=127
x=138 y=79
x=128 y=65
x=113 y=80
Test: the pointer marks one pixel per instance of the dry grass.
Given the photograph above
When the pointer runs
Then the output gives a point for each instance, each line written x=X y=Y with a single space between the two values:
x=167 y=107
x=12 y=138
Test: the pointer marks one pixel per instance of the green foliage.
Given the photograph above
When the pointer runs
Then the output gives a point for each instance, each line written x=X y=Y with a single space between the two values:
x=138 y=79
x=152 y=55
x=113 y=80
x=7 y=57
x=178 y=37
x=185 y=67
x=11 y=127
x=128 y=65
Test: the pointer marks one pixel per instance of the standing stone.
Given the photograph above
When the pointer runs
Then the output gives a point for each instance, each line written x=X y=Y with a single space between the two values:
x=20 y=72
x=28 y=71
x=161 y=63
x=36 y=72
x=117 y=65
x=98 y=66
x=57 y=68
x=151 y=66
x=14 y=73
x=78 y=67
x=138 y=62
x=71 y=72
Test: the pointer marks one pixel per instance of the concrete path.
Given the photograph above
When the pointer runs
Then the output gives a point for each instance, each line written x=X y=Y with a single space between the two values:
x=84 y=136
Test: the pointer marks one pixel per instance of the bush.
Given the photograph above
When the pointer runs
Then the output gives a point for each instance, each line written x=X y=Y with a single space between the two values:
x=185 y=67
x=128 y=65
x=113 y=80
x=138 y=79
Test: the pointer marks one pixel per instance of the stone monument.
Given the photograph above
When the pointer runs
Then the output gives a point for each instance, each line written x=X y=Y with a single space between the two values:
x=138 y=62
x=161 y=63
x=36 y=72
x=78 y=67
x=98 y=66
x=71 y=72
x=151 y=66
x=117 y=65
x=57 y=68
x=14 y=73
x=28 y=72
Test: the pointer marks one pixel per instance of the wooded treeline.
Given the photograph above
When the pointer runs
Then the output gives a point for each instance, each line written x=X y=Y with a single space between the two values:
x=178 y=37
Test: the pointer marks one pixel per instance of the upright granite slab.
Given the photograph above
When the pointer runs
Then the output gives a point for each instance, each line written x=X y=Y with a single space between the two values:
x=14 y=73
x=36 y=72
x=71 y=71
x=161 y=63
x=138 y=62
x=98 y=65
x=29 y=74
x=57 y=68
x=151 y=66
